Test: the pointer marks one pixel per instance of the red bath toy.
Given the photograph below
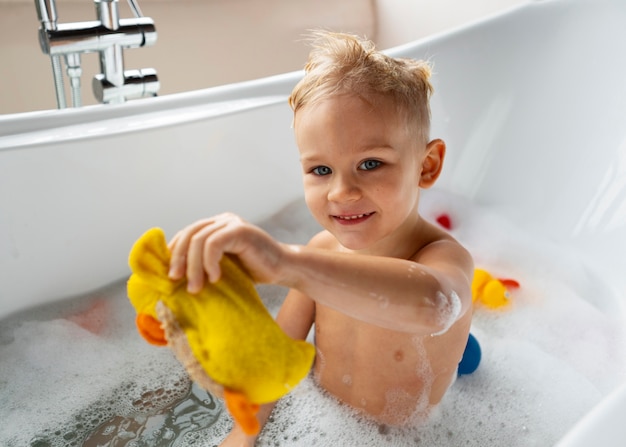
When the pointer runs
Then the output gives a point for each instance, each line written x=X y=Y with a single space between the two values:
x=444 y=221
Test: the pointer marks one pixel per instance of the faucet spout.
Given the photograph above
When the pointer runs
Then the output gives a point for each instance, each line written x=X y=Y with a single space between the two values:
x=47 y=14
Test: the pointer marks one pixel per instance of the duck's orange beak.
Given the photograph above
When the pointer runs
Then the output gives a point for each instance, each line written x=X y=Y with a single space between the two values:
x=150 y=329
x=243 y=411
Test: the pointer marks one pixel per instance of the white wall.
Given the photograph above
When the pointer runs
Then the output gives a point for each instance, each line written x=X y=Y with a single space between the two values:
x=401 y=21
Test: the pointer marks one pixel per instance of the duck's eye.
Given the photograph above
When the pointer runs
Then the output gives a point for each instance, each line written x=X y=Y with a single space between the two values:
x=368 y=165
x=321 y=170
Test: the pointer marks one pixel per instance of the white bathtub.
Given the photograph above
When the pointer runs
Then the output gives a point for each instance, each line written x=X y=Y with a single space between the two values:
x=531 y=103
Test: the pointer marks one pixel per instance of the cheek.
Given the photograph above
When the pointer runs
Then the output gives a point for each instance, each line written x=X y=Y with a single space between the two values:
x=394 y=186
x=400 y=193
x=316 y=208
x=315 y=189
x=312 y=198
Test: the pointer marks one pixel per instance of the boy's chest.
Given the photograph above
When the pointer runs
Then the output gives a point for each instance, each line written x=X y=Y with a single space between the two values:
x=354 y=344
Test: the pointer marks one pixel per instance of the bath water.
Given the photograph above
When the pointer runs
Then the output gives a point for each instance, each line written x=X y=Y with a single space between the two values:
x=77 y=373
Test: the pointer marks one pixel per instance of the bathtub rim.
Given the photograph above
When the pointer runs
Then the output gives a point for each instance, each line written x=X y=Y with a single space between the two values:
x=24 y=130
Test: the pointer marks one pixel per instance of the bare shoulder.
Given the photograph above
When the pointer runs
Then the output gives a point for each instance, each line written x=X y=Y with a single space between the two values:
x=440 y=246
x=444 y=253
x=324 y=240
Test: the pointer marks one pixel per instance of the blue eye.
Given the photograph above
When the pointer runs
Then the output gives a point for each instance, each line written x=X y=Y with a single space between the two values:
x=368 y=165
x=321 y=170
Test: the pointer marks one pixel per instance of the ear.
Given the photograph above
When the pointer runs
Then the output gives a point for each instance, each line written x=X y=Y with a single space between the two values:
x=433 y=163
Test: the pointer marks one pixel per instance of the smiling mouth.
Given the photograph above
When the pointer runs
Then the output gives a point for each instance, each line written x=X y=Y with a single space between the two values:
x=353 y=218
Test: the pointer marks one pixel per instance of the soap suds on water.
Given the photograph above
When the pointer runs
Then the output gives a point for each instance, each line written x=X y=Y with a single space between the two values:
x=66 y=378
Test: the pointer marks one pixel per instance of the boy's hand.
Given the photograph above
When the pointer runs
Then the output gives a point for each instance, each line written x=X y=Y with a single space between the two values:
x=198 y=248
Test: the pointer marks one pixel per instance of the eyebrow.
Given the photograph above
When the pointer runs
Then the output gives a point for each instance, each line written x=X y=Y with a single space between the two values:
x=370 y=148
x=376 y=146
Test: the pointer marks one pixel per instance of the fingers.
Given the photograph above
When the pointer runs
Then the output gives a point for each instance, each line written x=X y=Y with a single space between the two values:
x=195 y=252
x=179 y=245
x=203 y=257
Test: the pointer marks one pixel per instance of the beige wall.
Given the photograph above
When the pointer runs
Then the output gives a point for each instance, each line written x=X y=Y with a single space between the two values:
x=203 y=43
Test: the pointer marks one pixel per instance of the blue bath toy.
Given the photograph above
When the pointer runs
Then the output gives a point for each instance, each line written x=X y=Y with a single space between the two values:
x=471 y=357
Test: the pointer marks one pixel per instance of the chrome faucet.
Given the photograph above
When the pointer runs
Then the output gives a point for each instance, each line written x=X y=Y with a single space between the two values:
x=108 y=36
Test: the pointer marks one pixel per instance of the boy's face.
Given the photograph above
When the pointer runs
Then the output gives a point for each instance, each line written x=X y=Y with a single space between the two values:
x=362 y=170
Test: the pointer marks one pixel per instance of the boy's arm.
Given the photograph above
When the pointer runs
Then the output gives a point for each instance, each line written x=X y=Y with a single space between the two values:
x=425 y=294
x=295 y=317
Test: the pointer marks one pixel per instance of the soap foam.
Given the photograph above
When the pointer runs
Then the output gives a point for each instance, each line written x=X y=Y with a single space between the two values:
x=547 y=359
x=59 y=381
x=449 y=311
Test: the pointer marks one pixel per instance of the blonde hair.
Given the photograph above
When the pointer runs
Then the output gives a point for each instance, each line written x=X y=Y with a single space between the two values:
x=342 y=63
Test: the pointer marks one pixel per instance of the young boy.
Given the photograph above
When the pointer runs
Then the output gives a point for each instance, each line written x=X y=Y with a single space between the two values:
x=388 y=292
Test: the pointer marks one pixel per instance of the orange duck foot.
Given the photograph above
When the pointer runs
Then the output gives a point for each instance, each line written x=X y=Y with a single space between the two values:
x=150 y=329
x=243 y=411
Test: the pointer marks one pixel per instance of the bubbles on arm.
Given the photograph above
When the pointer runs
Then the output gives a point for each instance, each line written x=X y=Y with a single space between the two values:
x=449 y=310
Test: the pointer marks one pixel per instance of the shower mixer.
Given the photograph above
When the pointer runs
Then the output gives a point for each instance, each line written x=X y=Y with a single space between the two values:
x=109 y=36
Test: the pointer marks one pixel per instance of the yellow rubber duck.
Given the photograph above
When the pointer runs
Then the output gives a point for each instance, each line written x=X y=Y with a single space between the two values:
x=223 y=334
x=491 y=292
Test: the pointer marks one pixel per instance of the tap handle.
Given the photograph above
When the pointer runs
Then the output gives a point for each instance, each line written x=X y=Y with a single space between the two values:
x=137 y=84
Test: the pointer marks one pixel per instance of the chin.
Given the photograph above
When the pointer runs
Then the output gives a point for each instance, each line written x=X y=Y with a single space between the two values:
x=353 y=243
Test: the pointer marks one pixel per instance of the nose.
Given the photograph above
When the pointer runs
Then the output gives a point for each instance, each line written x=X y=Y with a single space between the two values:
x=343 y=188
